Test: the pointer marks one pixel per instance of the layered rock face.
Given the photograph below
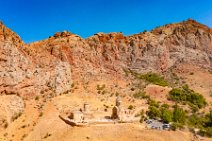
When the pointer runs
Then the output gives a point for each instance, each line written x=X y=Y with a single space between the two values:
x=162 y=48
x=52 y=64
x=158 y=50
x=22 y=75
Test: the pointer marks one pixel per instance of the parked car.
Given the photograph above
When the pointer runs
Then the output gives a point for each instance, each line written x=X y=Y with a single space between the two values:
x=166 y=126
x=149 y=121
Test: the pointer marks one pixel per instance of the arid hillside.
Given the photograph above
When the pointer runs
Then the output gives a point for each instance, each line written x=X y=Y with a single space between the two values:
x=45 y=79
x=56 y=58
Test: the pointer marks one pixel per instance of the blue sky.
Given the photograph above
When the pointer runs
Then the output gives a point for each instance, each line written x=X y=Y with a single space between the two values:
x=38 y=19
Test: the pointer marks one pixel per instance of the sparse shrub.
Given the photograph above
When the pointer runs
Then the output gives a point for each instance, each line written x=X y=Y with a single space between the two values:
x=132 y=89
x=140 y=95
x=41 y=114
x=72 y=85
x=106 y=106
x=191 y=73
x=42 y=92
x=16 y=116
x=23 y=126
x=104 y=92
x=100 y=88
x=194 y=108
x=47 y=135
x=5 y=125
x=153 y=103
x=152 y=78
x=5 y=134
x=34 y=123
x=206 y=132
x=165 y=106
x=111 y=94
x=24 y=136
x=131 y=107
x=117 y=94
x=142 y=116
x=175 y=126
x=37 y=98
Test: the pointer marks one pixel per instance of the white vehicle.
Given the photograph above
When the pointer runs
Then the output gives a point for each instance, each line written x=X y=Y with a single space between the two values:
x=149 y=121
x=166 y=126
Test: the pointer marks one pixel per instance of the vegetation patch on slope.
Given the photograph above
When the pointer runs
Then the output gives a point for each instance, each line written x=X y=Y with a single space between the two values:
x=186 y=95
x=151 y=77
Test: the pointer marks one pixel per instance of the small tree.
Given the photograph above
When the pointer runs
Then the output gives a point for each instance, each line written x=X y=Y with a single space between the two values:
x=166 y=115
x=179 y=115
x=153 y=112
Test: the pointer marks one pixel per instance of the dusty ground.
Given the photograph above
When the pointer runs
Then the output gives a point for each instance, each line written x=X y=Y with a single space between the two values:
x=50 y=127
x=34 y=126
x=40 y=119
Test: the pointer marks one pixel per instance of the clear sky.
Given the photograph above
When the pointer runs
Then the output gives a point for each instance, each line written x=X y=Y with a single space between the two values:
x=38 y=19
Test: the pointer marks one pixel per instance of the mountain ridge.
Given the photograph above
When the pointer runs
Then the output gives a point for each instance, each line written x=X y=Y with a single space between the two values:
x=66 y=32
x=55 y=76
x=158 y=50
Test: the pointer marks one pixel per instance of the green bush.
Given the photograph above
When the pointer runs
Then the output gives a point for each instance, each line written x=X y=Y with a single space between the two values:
x=175 y=126
x=209 y=119
x=37 y=98
x=166 y=115
x=100 y=88
x=130 y=107
x=196 y=121
x=140 y=95
x=177 y=95
x=153 y=78
x=179 y=115
x=203 y=122
x=153 y=103
x=206 y=132
x=153 y=112
x=165 y=106
x=187 y=95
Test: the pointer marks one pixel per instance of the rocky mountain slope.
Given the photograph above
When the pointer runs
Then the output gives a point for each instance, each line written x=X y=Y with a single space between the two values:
x=188 y=42
x=23 y=75
x=31 y=69
x=45 y=66
x=55 y=65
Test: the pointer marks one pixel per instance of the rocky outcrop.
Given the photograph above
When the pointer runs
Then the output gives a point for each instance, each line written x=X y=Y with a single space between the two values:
x=157 y=50
x=8 y=35
x=51 y=65
x=26 y=74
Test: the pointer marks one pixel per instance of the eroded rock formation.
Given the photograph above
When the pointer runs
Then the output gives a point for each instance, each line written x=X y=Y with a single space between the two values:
x=52 y=64
x=29 y=75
